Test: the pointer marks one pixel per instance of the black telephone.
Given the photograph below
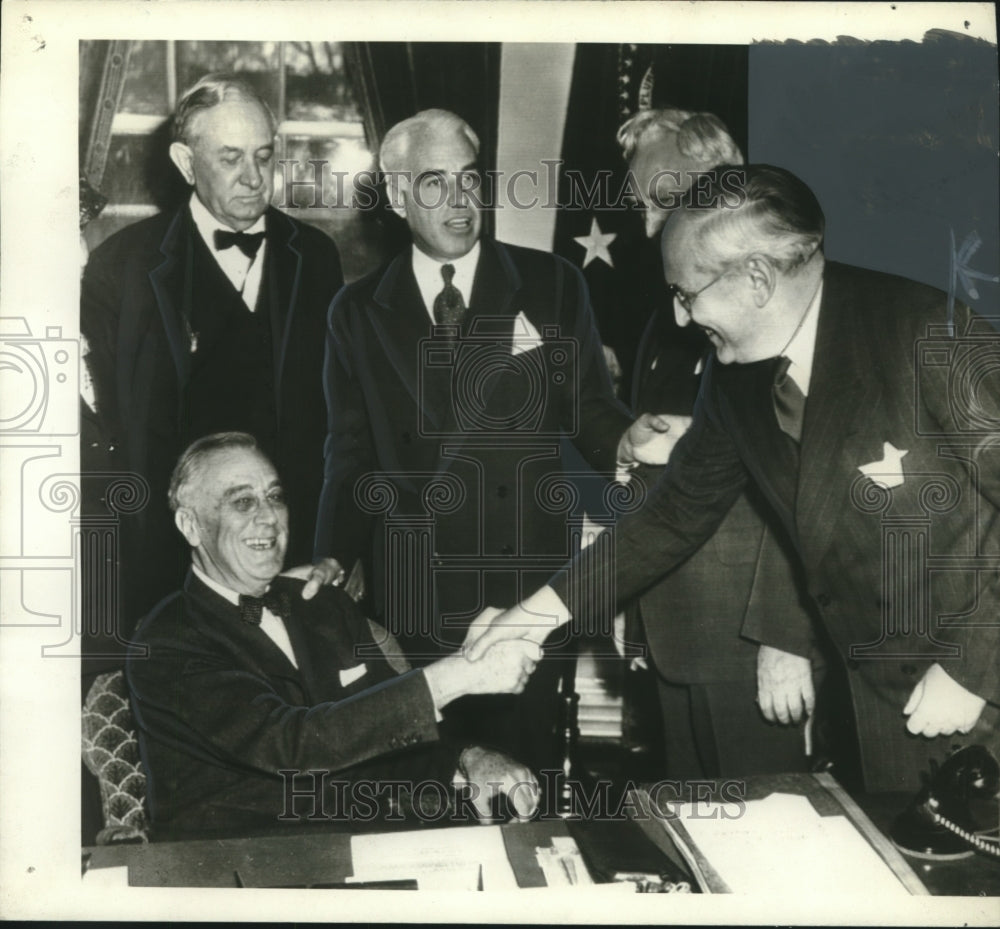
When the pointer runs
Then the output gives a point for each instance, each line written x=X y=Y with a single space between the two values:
x=956 y=813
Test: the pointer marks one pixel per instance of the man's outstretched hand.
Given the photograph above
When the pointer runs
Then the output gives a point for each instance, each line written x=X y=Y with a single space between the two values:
x=505 y=669
x=531 y=619
x=323 y=572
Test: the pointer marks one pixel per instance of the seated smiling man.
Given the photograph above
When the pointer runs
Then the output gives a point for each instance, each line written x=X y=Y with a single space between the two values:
x=259 y=711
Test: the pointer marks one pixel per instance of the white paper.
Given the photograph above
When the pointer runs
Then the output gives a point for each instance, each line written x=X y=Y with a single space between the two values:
x=106 y=878
x=781 y=843
x=439 y=859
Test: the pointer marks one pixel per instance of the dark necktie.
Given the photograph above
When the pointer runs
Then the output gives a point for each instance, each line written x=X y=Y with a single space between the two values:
x=789 y=403
x=449 y=307
x=246 y=242
x=252 y=608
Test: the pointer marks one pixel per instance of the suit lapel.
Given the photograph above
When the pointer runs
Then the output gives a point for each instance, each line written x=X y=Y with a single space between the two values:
x=251 y=640
x=169 y=280
x=746 y=390
x=284 y=269
x=401 y=323
x=842 y=390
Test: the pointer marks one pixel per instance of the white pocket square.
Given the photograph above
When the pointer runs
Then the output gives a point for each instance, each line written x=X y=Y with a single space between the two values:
x=525 y=336
x=888 y=471
x=349 y=675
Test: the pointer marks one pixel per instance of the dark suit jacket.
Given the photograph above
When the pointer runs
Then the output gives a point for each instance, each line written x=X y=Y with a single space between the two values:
x=136 y=296
x=693 y=617
x=872 y=384
x=221 y=711
x=476 y=420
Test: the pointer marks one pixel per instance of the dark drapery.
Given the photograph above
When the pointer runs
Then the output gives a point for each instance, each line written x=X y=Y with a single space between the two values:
x=605 y=91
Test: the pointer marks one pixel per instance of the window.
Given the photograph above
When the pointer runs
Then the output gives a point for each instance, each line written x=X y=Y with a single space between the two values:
x=307 y=87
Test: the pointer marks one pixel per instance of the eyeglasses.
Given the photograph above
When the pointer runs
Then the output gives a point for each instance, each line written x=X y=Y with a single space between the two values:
x=686 y=300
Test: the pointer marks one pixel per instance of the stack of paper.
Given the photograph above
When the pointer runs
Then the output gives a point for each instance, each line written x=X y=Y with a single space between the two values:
x=782 y=843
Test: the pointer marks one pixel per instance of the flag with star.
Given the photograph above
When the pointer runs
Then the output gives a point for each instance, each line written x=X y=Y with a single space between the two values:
x=594 y=229
x=597 y=228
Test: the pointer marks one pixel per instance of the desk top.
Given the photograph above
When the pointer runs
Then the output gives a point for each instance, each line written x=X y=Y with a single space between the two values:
x=324 y=857
x=301 y=859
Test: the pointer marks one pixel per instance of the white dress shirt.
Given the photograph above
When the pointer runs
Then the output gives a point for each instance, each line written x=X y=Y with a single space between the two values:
x=427 y=271
x=271 y=625
x=802 y=345
x=244 y=273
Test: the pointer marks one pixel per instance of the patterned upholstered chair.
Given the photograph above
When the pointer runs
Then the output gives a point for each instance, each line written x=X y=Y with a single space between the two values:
x=111 y=753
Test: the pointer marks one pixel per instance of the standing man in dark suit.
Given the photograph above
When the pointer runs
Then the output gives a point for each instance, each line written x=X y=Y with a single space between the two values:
x=250 y=697
x=451 y=376
x=204 y=319
x=695 y=619
x=863 y=408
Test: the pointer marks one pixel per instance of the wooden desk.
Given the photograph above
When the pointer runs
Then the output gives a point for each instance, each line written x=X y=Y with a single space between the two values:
x=323 y=857
x=967 y=877
x=873 y=816
x=299 y=860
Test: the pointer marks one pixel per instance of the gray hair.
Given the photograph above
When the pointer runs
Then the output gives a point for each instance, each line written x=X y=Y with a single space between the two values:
x=192 y=460
x=757 y=209
x=400 y=138
x=210 y=91
x=700 y=136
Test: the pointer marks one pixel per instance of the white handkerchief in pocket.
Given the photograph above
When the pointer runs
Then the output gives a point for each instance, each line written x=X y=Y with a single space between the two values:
x=525 y=336
x=349 y=675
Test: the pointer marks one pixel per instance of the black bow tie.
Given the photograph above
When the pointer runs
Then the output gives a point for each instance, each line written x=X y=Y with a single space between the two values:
x=246 y=242
x=277 y=601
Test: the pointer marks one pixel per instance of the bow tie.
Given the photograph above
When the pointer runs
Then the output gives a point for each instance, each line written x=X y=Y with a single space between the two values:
x=277 y=601
x=246 y=242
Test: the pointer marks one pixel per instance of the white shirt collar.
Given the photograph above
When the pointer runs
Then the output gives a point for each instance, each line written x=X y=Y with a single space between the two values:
x=427 y=271
x=231 y=595
x=802 y=346
x=207 y=223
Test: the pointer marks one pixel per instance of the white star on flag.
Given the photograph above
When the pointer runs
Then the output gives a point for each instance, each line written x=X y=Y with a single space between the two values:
x=888 y=472
x=596 y=244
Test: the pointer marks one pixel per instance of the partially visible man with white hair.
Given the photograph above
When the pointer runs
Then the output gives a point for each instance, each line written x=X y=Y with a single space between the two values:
x=665 y=148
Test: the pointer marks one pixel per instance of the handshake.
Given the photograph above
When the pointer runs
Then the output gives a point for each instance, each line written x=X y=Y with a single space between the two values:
x=501 y=668
x=500 y=651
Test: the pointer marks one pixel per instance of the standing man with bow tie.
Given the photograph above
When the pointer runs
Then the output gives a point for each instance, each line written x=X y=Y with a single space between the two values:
x=866 y=410
x=205 y=319
x=452 y=375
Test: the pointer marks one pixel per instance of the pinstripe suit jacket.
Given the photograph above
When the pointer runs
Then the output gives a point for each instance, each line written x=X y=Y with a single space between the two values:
x=902 y=577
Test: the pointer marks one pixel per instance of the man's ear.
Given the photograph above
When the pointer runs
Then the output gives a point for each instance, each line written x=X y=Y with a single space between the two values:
x=763 y=278
x=182 y=156
x=398 y=191
x=187 y=523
